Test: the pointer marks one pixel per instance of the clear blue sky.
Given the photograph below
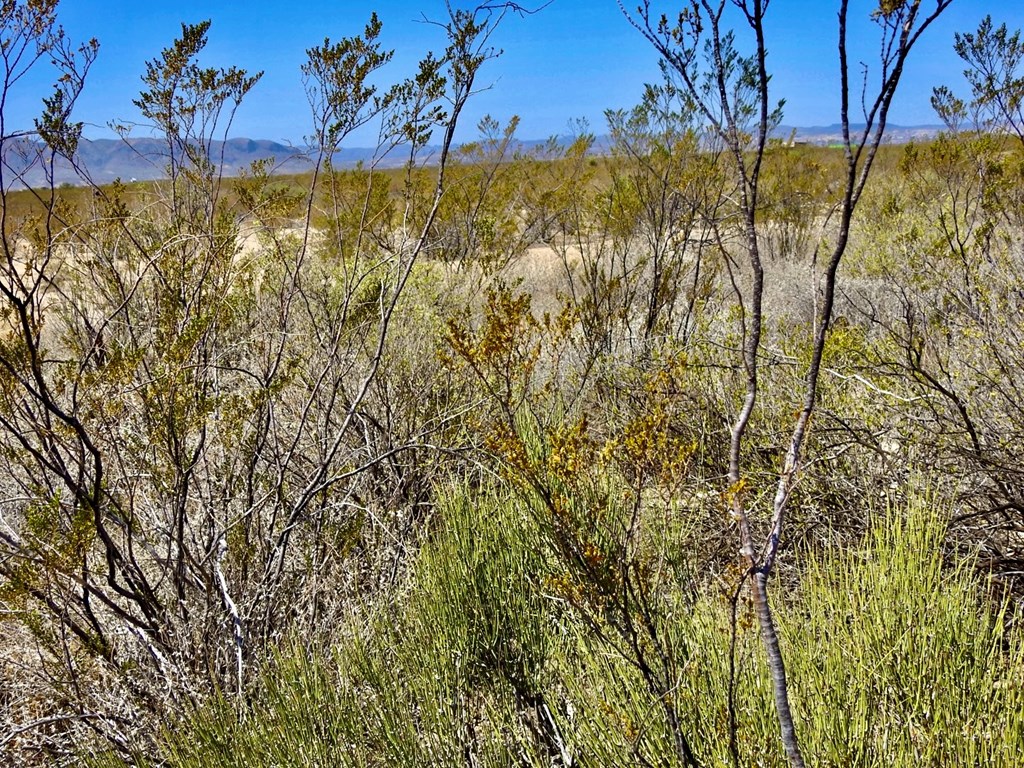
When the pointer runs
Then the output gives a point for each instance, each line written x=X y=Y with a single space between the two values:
x=573 y=59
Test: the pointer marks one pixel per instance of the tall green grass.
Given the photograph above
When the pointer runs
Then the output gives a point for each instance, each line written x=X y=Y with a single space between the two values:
x=901 y=658
x=896 y=657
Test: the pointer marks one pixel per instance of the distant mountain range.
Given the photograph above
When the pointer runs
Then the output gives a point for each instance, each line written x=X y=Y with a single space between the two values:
x=830 y=134
x=140 y=159
x=145 y=159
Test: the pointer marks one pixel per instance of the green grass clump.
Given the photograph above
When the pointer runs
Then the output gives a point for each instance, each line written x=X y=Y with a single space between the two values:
x=898 y=657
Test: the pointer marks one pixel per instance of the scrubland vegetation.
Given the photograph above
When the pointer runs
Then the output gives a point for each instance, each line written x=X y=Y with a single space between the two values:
x=703 y=452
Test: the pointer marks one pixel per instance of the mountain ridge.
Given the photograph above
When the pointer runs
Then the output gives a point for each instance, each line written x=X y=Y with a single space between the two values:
x=145 y=159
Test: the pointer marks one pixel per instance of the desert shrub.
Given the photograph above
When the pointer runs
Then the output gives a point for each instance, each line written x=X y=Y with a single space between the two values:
x=798 y=196
x=207 y=435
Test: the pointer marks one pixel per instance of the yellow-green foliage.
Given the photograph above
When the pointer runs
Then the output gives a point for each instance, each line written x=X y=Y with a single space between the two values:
x=356 y=212
x=900 y=657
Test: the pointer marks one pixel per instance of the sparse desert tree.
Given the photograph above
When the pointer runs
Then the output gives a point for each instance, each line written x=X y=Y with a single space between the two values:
x=633 y=248
x=995 y=72
x=798 y=191
x=659 y=217
x=481 y=223
x=730 y=91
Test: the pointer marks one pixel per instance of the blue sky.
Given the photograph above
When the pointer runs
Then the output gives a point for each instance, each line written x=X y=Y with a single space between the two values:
x=572 y=60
